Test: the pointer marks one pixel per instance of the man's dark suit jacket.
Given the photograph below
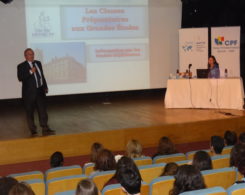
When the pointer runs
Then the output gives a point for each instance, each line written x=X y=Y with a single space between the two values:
x=28 y=80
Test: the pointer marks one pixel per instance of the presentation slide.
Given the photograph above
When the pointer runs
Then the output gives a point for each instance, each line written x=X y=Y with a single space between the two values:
x=89 y=46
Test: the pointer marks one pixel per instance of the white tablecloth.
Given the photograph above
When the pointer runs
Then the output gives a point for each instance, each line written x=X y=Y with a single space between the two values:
x=221 y=93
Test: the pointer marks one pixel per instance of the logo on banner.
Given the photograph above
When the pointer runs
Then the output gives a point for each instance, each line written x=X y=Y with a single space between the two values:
x=222 y=41
x=219 y=40
x=187 y=48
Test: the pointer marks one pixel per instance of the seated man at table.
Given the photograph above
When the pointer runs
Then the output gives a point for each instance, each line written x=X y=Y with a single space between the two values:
x=213 y=68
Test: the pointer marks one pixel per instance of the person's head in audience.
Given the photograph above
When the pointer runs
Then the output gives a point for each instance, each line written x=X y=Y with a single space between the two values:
x=86 y=187
x=56 y=160
x=188 y=178
x=105 y=161
x=241 y=164
x=6 y=183
x=165 y=146
x=133 y=149
x=242 y=138
x=170 y=169
x=125 y=163
x=21 y=189
x=236 y=152
x=95 y=149
x=202 y=161
x=230 y=138
x=217 y=144
x=130 y=181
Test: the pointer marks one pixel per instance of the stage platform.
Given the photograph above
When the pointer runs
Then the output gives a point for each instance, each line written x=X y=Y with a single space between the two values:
x=113 y=122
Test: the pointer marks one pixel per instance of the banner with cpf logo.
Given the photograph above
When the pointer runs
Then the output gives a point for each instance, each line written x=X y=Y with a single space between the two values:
x=225 y=43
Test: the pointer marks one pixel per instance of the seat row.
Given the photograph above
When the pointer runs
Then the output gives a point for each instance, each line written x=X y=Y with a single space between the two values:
x=220 y=161
x=64 y=180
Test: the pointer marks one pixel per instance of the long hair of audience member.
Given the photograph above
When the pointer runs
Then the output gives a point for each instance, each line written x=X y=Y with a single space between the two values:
x=217 y=144
x=21 y=189
x=230 y=138
x=188 y=178
x=241 y=164
x=165 y=146
x=236 y=152
x=134 y=149
x=105 y=161
x=95 y=149
x=6 y=183
x=130 y=180
x=242 y=138
x=202 y=161
x=170 y=169
x=126 y=163
x=123 y=163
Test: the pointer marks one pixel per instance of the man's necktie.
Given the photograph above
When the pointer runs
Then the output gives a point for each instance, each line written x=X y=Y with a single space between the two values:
x=37 y=75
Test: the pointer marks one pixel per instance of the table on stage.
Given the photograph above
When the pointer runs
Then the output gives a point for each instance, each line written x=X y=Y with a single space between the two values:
x=223 y=93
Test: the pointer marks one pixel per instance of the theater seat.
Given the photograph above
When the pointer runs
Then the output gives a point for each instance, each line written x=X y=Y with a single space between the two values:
x=70 y=192
x=88 y=168
x=63 y=172
x=227 y=150
x=37 y=185
x=116 y=189
x=28 y=176
x=224 y=177
x=238 y=189
x=208 y=191
x=150 y=172
x=101 y=178
x=183 y=162
x=146 y=160
x=169 y=158
x=63 y=184
x=239 y=176
x=190 y=155
x=161 y=185
x=221 y=161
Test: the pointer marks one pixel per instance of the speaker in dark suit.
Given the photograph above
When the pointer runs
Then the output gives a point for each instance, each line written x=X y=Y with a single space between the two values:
x=34 y=89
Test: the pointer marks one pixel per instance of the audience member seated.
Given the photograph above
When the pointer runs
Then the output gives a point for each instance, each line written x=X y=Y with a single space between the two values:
x=236 y=152
x=122 y=164
x=21 y=189
x=217 y=144
x=134 y=149
x=202 y=161
x=95 y=149
x=6 y=183
x=56 y=160
x=86 y=187
x=130 y=181
x=165 y=147
x=230 y=138
x=241 y=165
x=105 y=161
x=188 y=178
x=242 y=138
x=170 y=169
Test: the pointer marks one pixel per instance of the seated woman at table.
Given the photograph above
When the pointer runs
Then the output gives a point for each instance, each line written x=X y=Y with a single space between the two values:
x=213 y=68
